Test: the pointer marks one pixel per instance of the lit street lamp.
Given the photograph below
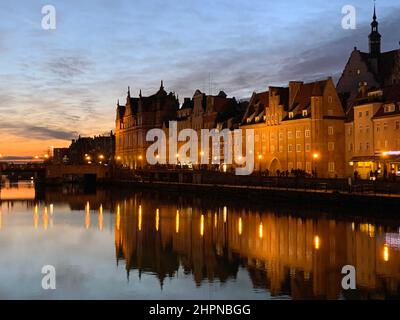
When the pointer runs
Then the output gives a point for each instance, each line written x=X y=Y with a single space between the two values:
x=315 y=157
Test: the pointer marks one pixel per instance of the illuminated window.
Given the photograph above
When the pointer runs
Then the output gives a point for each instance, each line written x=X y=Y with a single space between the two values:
x=291 y=115
x=330 y=131
x=290 y=148
x=304 y=113
x=307 y=133
x=290 y=134
x=298 y=147
x=308 y=147
x=331 y=167
x=298 y=134
x=331 y=146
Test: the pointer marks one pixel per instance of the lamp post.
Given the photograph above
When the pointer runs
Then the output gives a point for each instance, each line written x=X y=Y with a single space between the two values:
x=315 y=158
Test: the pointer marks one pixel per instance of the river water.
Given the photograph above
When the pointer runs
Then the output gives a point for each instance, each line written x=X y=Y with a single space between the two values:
x=113 y=244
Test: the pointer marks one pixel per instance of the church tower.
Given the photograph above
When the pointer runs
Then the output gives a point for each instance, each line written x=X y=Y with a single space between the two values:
x=374 y=38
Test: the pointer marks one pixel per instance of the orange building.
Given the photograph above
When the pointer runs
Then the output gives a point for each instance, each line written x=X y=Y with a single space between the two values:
x=299 y=127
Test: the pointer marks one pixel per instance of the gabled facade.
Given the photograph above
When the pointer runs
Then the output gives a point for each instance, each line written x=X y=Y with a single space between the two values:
x=299 y=127
x=373 y=69
x=135 y=118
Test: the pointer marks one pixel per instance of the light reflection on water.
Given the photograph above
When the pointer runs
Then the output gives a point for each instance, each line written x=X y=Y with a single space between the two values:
x=160 y=246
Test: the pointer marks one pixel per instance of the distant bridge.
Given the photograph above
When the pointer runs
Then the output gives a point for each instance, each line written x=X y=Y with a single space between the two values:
x=22 y=171
x=55 y=173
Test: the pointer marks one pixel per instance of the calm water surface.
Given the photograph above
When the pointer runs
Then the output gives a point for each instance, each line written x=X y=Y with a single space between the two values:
x=134 y=245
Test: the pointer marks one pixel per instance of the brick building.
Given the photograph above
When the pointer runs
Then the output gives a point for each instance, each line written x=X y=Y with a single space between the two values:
x=299 y=127
x=135 y=118
x=373 y=69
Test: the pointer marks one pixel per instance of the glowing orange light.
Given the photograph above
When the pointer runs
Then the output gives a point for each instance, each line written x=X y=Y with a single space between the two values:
x=202 y=225
x=101 y=217
x=386 y=253
x=177 y=221
x=118 y=217
x=157 y=219
x=316 y=242
x=140 y=219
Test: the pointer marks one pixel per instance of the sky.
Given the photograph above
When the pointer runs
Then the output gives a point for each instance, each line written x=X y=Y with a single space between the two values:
x=58 y=84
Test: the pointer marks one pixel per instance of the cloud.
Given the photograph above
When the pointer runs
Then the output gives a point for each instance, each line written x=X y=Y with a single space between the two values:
x=37 y=132
x=68 y=67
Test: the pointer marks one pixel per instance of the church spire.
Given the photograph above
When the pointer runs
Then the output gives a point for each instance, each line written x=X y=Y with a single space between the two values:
x=162 y=85
x=374 y=37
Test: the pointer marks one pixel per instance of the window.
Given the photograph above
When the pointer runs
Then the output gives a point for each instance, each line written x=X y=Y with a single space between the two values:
x=389 y=108
x=298 y=134
x=367 y=145
x=256 y=138
x=290 y=148
x=378 y=127
x=291 y=115
x=360 y=128
x=360 y=114
x=304 y=113
x=307 y=133
x=330 y=131
x=308 y=167
x=350 y=148
x=280 y=148
x=298 y=147
x=350 y=131
x=367 y=129
x=330 y=112
x=367 y=113
x=272 y=135
x=331 y=146
x=272 y=148
x=331 y=167
x=308 y=147
x=358 y=71
x=290 y=134
x=264 y=137
x=360 y=146
x=299 y=165
x=280 y=135
x=290 y=166
x=330 y=99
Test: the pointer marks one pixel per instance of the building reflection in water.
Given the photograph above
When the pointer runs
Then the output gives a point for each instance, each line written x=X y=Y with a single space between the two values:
x=299 y=254
x=283 y=254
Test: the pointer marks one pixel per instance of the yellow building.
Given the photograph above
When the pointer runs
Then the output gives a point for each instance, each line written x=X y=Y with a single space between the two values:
x=373 y=133
x=300 y=127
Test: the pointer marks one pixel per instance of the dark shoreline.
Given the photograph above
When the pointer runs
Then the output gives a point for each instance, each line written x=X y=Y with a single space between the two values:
x=268 y=197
